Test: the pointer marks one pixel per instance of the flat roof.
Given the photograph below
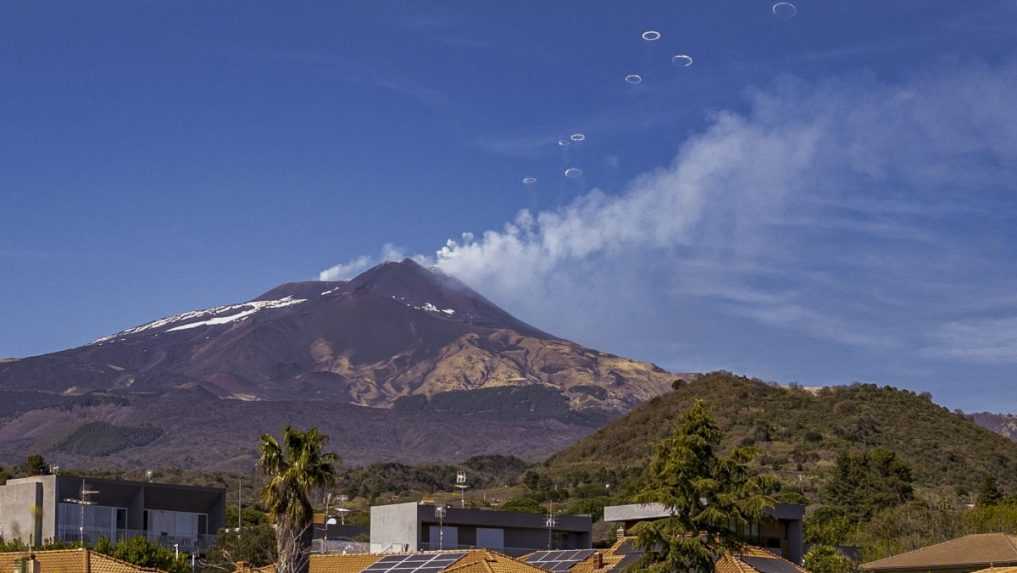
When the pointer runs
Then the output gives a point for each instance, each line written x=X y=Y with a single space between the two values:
x=641 y=511
x=494 y=517
x=114 y=481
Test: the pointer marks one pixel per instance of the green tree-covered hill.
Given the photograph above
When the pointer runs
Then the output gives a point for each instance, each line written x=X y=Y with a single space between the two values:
x=799 y=432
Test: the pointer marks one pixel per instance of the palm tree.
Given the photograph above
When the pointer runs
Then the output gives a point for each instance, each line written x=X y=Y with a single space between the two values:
x=294 y=468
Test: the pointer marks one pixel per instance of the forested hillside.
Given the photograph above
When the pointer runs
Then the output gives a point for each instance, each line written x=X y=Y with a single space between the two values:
x=799 y=432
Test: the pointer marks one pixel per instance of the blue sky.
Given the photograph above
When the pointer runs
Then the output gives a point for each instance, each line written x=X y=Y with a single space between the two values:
x=821 y=199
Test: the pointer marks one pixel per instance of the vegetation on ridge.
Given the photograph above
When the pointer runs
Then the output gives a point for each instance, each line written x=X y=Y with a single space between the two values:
x=799 y=433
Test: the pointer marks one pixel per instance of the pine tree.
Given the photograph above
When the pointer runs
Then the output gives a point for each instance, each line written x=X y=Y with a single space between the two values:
x=711 y=498
x=988 y=493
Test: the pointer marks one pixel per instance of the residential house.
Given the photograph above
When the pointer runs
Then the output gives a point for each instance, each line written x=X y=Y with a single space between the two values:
x=625 y=555
x=45 y=508
x=780 y=531
x=416 y=526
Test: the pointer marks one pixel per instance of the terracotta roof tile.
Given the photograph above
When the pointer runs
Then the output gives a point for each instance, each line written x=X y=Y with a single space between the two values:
x=983 y=549
x=750 y=559
x=71 y=561
x=335 y=563
x=105 y=564
x=475 y=561
x=488 y=561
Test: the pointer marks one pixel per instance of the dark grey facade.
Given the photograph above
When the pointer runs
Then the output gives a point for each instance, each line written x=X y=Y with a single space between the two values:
x=416 y=527
x=42 y=508
x=780 y=531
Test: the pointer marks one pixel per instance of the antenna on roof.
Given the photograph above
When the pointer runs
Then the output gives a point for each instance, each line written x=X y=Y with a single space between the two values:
x=83 y=499
x=462 y=486
x=342 y=511
x=439 y=512
x=551 y=523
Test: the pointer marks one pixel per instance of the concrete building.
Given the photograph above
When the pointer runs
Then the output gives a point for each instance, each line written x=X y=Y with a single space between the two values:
x=414 y=526
x=42 y=508
x=780 y=532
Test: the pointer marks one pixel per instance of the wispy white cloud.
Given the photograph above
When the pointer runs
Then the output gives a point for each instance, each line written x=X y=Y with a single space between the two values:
x=988 y=340
x=356 y=72
x=827 y=209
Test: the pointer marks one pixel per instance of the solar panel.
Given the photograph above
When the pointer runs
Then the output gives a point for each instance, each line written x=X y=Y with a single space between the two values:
x=415 y=563
x=559 y=561
x=767 y=565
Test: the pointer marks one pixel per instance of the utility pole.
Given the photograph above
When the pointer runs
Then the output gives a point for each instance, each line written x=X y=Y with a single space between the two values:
x=324 y=538
x=240 y=506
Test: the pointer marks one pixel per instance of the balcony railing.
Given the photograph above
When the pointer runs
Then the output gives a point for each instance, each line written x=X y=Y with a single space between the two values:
x=511 y=551
x=197 y=543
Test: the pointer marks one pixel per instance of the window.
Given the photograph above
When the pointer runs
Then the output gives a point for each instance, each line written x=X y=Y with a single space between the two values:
x=449 y=540
x=490 y=538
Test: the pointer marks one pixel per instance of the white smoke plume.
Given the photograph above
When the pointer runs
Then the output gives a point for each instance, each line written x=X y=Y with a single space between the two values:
x=820 y=210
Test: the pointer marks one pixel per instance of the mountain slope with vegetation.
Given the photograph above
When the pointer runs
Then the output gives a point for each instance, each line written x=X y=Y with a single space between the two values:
x=403 y=363
x=1002 y=424
x=800 y=432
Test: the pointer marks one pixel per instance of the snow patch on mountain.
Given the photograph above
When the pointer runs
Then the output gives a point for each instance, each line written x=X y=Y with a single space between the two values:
x=431 y=308
x=212 y=316
x=426 y=307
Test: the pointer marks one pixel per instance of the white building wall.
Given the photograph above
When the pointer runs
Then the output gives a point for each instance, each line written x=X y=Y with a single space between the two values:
x=394 y=527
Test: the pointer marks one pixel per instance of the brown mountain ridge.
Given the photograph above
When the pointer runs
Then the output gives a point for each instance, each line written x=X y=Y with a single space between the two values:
x=401 y=362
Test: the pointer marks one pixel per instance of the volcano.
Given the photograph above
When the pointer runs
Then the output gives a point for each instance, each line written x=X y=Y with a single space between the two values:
x=400 y=363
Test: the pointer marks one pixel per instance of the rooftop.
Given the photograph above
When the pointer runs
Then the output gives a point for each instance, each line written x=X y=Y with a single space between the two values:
x=982 y=549
x=640 y=511
x=118 y=482
x=72 y=561
x=625 y=554
x=472 y=561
